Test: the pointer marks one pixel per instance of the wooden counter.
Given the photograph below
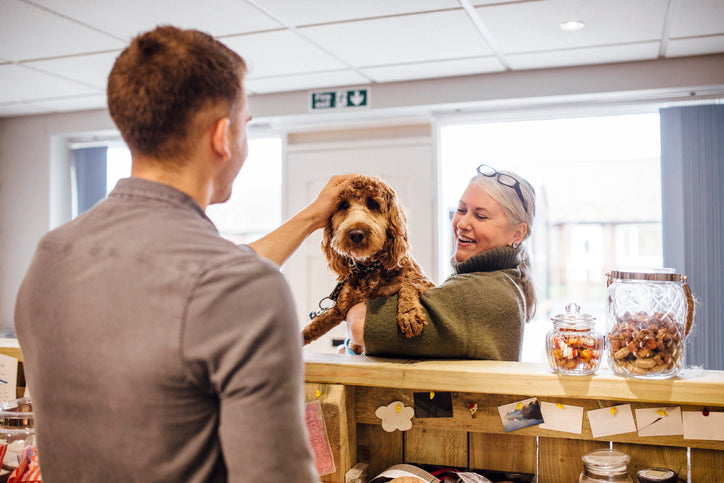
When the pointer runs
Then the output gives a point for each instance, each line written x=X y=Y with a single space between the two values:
x=351 y=388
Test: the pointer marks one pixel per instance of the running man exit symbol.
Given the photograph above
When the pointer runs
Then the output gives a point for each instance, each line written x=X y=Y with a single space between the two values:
x=341 y=99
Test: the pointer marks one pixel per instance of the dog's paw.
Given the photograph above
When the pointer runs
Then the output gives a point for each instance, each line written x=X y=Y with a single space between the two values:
x=412 y=322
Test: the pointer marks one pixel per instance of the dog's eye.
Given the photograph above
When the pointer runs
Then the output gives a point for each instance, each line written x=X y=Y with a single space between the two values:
x=372 y=204
x=343 y=205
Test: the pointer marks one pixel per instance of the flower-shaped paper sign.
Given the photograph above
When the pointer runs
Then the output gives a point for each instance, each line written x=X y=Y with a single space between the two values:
x=395 y=416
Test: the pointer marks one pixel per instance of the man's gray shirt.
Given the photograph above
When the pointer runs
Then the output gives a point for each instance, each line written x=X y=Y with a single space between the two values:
x=157 y=351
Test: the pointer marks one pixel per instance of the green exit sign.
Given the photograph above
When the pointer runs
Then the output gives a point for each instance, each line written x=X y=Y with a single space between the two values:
x=339 y=99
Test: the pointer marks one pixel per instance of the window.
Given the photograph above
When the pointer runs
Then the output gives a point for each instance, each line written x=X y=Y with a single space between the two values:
x=255 y=207
x=253 y=210
x=598 y=190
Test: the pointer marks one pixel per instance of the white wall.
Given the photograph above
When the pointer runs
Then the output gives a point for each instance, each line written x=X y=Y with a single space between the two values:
x=34 y=184
x=34 y=188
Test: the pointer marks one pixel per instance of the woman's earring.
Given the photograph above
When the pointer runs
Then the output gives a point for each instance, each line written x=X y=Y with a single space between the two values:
x=514 y=245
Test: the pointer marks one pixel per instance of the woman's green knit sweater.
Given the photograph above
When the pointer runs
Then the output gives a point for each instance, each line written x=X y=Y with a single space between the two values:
x=477 y=313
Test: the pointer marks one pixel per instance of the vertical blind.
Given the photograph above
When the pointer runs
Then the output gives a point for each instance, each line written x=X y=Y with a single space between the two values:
x=692 y=176
x=90 y=175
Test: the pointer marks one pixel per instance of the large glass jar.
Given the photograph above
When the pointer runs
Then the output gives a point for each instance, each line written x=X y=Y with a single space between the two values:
x=605 y=466
x=649 y=316
x=17 y=430
x=573 y=346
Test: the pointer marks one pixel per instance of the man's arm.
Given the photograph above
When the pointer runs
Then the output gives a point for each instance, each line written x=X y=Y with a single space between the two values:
x=279 y=245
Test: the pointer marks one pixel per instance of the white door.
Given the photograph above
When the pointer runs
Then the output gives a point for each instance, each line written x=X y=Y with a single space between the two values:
x=406 y=164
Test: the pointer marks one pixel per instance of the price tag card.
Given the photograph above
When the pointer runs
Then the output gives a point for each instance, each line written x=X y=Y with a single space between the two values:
x=318 y=437
x=520 y=414
x=703 y=425
x=561 y=417
x=8 y=378
x=613 y=420
x=659 y=421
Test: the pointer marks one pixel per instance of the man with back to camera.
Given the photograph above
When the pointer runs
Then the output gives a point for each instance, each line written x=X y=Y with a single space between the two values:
x=154 y=349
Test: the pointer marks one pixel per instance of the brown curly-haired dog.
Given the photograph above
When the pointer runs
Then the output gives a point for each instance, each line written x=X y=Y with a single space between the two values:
x=365 y=244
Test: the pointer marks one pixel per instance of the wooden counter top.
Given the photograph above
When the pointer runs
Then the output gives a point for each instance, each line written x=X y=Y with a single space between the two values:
x=691 y=386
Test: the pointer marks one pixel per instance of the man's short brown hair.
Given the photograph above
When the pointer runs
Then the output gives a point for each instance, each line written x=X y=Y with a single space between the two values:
x=163 y=79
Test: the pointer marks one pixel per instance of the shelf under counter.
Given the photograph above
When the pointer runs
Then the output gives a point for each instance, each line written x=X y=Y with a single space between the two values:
x=350 y=389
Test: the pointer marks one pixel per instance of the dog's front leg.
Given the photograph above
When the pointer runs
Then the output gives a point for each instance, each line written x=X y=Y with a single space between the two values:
x=410 y=315
x=322 y=323
x=330 y=318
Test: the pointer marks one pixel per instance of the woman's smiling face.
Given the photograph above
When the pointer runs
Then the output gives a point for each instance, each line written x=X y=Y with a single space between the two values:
x=480 y=224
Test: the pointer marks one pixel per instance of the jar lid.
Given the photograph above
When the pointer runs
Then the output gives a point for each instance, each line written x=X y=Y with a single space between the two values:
x=651 y=274
x=606 y=458
x=656 y=475
x=573 y=316
x=16 y=409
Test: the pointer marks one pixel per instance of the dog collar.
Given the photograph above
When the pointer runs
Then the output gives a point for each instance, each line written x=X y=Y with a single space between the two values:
x=355 y=268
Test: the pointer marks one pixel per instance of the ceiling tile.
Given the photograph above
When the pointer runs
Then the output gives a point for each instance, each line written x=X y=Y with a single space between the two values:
x=80 y=103
x=695 y=46
x=305 y=81
x=125 y=19
x=411 y=38
x=535 y=26
x=18 y=83
x=698 y=17
x=16 y=109
x=429 y=70
x=28 y=32
x=90 y=69
x=590 y=55
x=280 y=53
x=490 y=2
x=297 y=13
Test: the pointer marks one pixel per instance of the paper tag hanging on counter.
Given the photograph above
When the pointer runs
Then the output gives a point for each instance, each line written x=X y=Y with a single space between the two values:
x=561 y=417
x=659 y=421
x=8 y=377
x=521 y=414
x=699 y=426
x=317 y=429
x=433 y=404
x=613 y=420
x=395 y=416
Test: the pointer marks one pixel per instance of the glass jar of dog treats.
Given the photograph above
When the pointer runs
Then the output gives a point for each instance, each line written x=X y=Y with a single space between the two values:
x=649 y=316
x=573 y=346
x=605 y=466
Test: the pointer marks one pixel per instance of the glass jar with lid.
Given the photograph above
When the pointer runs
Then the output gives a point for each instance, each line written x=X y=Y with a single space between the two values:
x=573 y=346
x=17 y=430
x=605 y=466
x=649 y=316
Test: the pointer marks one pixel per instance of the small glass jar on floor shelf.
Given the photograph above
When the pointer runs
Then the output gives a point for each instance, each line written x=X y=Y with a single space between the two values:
x=605 y=466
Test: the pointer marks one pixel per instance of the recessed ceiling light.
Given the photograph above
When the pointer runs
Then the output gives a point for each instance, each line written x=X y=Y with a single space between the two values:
x=572 y=25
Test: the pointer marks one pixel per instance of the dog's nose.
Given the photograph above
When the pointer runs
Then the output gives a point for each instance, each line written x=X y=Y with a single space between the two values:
x=356 y=236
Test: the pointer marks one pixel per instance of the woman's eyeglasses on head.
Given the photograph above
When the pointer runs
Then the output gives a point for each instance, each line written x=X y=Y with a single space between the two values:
x=505 y=180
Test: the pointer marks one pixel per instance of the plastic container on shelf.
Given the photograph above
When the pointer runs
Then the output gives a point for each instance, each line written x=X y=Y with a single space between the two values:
x=16 y=429
x=649 y=316
x=605 y=466
x=573 y=346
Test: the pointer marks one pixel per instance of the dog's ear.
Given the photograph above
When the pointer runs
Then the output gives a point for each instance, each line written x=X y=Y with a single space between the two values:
x=336 y=262
x=397 y=244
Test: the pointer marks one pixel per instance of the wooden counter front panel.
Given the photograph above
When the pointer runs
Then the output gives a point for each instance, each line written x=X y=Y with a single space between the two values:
x=480 y=441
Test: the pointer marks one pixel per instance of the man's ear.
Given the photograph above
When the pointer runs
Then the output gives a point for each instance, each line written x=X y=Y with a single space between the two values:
x=220 y=138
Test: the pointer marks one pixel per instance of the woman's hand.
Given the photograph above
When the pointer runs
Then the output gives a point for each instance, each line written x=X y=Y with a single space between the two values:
x=356 y=323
